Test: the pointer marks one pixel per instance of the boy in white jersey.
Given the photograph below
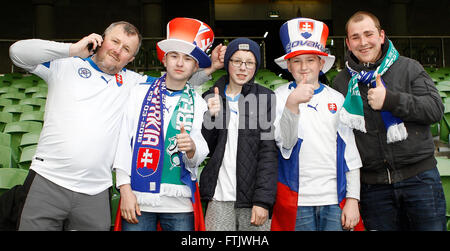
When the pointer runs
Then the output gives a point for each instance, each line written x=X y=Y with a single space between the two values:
x=319 y=162
x=156 y=174
x=86 y=96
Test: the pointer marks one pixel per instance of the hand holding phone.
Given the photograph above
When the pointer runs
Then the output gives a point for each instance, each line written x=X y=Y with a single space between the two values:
x=86 y=47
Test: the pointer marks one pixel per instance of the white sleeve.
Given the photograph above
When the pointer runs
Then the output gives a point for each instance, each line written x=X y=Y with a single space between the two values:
x=280 y=124
x=124 y=153
x=353 y=160
x=29 y=53
x=201 y=146
x=353 y=183
x=198 y=78
x=351 y=155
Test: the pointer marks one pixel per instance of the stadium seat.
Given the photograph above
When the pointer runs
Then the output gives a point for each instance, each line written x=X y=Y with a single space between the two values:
x=32 y=116
x=443 y=165
x=40 y=94
x=5 y=118
x=10 y=177
x=16 y=110
x=14 y=96
x=27 y=156
x=8 y=89
x=277 y=83
x=445 y=124
x=41 y=83
x=217 y=74
x=4 y=102
x=5 y=139
x=37 y=103
x=16 y=130
x=29 y=91
x=22 y=84
x=153 y=73
x=204 y=87
x=5 y=156
x=29 y=138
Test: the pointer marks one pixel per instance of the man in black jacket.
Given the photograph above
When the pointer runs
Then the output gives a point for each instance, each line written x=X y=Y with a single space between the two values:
x=400 y=184
x=240 y=179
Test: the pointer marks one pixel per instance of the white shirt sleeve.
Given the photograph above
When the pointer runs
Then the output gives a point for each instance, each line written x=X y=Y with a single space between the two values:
x=124 y=153
x=199 y=78
x=29 y=53
x=286 y=124
x=353 y=184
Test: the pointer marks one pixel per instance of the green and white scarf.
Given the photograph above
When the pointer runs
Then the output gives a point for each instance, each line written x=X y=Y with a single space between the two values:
x=352 y=113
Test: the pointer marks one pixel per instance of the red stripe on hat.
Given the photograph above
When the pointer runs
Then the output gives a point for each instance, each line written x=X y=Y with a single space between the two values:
x=324 y=36
x=187 y=32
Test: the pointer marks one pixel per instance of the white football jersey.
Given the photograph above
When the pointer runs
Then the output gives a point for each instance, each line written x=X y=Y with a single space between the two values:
x=318 y=129
x=83 y=117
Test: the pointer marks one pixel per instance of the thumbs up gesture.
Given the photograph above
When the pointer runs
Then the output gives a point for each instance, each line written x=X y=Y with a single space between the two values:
x=214 y=103
x=185 y=142
x=303 y=93
x=376 y=95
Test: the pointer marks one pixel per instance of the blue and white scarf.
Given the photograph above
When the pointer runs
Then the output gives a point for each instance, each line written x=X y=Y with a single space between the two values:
x=352 y=113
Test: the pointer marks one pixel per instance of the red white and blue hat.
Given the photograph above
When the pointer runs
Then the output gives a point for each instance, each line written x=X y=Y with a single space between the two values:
x=304 y=36
x=189 y=36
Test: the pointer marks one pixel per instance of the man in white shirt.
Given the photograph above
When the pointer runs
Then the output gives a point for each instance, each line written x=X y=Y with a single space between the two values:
x=84 y=108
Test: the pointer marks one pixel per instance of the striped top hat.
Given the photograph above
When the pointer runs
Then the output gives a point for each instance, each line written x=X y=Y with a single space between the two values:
x=304 y=36
x=189 y=36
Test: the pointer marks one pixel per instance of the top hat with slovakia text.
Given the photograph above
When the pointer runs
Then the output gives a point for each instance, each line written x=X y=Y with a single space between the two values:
x=304 y=36
x=189 y=36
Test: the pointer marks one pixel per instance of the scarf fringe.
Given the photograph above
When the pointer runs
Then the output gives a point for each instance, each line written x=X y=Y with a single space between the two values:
x=396 y=133
x=352 y=120
x=170 y=190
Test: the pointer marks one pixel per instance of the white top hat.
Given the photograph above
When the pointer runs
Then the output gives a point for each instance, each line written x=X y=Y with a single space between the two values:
x=189 y=36
x=304 y=36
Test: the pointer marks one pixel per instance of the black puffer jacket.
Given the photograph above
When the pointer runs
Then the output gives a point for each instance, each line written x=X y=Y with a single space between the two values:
x=411 y=96
x=256 y=163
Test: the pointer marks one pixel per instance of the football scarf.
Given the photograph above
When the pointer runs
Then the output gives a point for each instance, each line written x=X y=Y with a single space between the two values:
x=156 y=159
x=157 y=165
x=352 y=113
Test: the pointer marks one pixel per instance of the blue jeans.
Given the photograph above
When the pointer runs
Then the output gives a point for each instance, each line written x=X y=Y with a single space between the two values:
x=168 y=221
x=416 y=203
x=318 y=218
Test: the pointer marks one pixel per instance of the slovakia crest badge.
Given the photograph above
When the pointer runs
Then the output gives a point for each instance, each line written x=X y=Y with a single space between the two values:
x=306 y=29
x=147 y=161
x=332 y=107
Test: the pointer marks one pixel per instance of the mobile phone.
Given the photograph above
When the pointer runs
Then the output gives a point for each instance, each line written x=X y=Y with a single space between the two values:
x=90 y=46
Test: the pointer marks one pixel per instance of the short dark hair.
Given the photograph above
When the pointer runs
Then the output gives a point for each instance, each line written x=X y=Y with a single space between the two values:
x=359 y=16
x=129 y=29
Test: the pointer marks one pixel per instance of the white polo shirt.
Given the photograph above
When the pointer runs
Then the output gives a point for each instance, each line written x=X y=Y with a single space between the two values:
x=83 y=116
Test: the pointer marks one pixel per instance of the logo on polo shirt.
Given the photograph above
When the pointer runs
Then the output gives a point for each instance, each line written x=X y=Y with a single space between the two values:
x=332 y=107
x=84 y=73
x=119 y=80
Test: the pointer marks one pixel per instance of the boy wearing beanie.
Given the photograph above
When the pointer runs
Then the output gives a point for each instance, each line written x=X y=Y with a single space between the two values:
x=318 y=162
x=239 y=181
